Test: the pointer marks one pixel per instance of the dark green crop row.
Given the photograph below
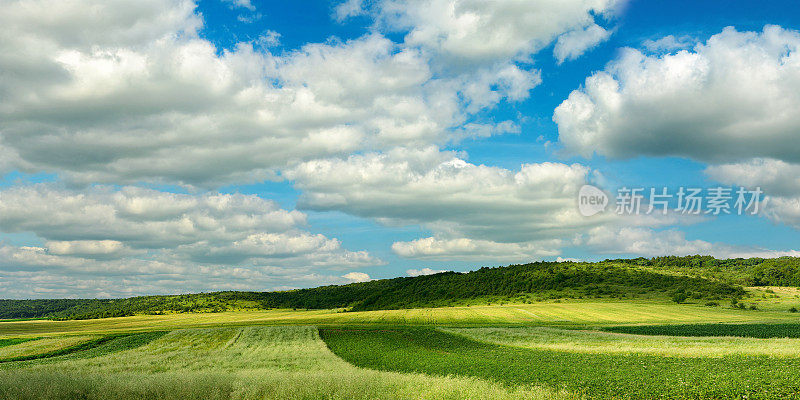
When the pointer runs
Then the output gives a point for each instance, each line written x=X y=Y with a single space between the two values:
x=601 y=376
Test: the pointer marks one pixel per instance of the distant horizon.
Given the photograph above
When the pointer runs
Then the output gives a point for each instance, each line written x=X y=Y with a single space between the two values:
x=431 y=272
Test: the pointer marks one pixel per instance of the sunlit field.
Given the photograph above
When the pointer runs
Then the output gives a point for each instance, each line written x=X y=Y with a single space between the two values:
x=546 y=350
x=601 y=375
x=238 y=363
x=600 y=342
x=544 y=313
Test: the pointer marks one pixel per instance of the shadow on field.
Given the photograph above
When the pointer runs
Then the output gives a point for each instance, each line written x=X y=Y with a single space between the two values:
x=424 y=350
x=761 y=331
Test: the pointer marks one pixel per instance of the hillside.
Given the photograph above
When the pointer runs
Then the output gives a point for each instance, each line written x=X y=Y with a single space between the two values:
x=782 y=271
x=679 y=278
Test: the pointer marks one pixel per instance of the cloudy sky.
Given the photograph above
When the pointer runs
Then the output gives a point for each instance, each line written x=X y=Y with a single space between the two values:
x=170 y=146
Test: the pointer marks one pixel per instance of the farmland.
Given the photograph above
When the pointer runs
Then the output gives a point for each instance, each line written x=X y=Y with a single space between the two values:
x=601 y=375
x=633 y=341
x=549 y=350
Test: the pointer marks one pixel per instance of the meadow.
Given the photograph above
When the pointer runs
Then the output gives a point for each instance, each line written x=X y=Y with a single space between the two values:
x=546 y=350
x=602 y=375
x=235 y=363
x=551 y=313
x=594 y=331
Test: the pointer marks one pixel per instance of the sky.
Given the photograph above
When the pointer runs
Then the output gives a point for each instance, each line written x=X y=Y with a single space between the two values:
x=172 y=146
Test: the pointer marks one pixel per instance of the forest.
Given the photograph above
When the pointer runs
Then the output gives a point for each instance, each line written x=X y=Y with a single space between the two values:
x=701 y=278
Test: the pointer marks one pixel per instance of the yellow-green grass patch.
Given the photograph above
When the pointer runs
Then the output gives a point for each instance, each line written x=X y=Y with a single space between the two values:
x=42 y=346
x=544 y=313
x=598 y=342
x=240 y=363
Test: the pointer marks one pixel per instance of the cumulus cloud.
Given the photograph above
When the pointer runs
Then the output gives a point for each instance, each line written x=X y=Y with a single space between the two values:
x=90 y=248
x=486 y=214
x=476 y=212
x=267 y=39
x=241 y=4
x=448 y=195
x=572 y=44
x=146 y=234
x=776 y=177
x=668 y=43
x=347 y=9
x=651 y=243
x=27 y=272
x=130 y=92
x=357 y=277
x=728 y=100
x=423 y=271
x=477 y=250
x=475 y=31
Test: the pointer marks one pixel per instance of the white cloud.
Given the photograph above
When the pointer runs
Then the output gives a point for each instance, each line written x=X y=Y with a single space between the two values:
x=644 y=242
x=785 y=210
x=133 y=241
x=730 y=99
x=476 y=250
x=487 y=214
x=778 y=179
x=347 y=9
x=730 y=102
x=269 y=38
x=91 y=248
x=476 y=31
x=357 y=277
x=775 y=177
x=135 y=231
x=572 y=44
x=423 y=271
x=241 y=4
x=650 y=243
x=27 y=272
x=448 y=195
x=130 y=92
x=668 y=43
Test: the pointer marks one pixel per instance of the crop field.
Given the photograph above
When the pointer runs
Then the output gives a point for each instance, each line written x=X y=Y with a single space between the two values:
x=35 y=347
x=601 y=342
x=424 y=350
x=571 y=349
x=241 y=363
x=582 y=313
x=788 y=330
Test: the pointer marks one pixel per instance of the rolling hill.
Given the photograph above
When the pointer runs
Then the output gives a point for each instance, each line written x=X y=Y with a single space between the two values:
x=693 y=278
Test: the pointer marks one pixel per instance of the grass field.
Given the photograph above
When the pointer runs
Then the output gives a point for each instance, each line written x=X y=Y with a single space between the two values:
x=582 y=313
x=637 y=376
x=544 y=350
x=239 y=363
x=39 y=346
x=787 y=330
x=600 y=342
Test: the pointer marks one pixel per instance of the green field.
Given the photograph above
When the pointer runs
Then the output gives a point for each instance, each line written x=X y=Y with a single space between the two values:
x=546 y=350
x=596 y=331
x=563 y=313
x=241 y=363
x=421 y=350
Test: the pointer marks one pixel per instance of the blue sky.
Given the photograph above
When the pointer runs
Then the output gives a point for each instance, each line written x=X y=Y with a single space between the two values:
x=167 y=146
